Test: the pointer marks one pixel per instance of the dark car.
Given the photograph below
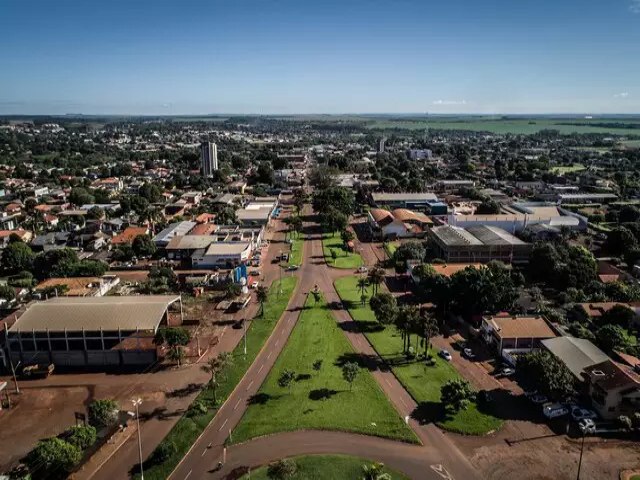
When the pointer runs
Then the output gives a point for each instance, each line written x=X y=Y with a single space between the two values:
x=239 y=324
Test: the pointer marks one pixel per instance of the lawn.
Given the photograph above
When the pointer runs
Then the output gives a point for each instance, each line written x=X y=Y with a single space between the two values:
x=391 y=247
x=326 y=467
x=188 y=428
x=320 y=399
x=345 y=259
x=295 y=254
x=421 y=381
x=561 y=170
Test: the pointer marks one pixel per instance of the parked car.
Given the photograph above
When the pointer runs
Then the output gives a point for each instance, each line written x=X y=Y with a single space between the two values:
x=538 y=398
x=254 y=285
x=291 y=268
x=587 y=425
x=238 y=324
x=554 y=410
x=468 y=353
x=578 y=413
x=362 y=269
x=507 y=372
x=445 y=354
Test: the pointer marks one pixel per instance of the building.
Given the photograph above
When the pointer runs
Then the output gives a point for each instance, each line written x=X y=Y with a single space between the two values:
x=403 y=200
x=90 y=331
x=453 y=185
x=400 y=223
x=257 y=212
x=511 y=336
x=381 y=145
x=222 y=254
x=577 y=354
x=163 y=238
x=478 y=244
x=420 y=154
x=586 y=198
x=208 y=158
x=614 y=389
x=129 y=235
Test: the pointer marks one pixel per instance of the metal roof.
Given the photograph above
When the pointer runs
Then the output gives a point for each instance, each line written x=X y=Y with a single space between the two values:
x=489 y=235
x=190 y=242
x=576 y=353
x=450 y=235
x=92 y=314
x=173 y=230
x=400 y=197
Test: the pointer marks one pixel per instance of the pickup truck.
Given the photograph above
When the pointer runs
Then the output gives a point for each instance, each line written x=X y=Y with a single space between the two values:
x=37 y=371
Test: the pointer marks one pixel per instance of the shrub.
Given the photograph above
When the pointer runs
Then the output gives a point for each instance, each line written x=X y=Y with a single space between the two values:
x=54 y=454
x=82 y=436
x=164 y=451
x=103 y=413
x=197 y=408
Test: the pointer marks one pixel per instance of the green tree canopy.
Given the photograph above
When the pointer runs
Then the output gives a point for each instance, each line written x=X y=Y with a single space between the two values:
x=549 y=374
x=17 y=256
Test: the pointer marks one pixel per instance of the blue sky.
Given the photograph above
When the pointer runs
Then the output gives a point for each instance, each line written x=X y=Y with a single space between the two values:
x=281 y=56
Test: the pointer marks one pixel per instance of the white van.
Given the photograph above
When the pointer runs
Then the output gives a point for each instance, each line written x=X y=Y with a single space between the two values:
x=554 y=410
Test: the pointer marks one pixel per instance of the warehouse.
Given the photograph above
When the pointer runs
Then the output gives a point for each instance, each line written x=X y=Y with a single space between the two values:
x=478 y=244
x=91 y=331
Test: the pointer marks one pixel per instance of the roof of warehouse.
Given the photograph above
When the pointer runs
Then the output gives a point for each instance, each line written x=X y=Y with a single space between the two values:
x=451 y=235
x=576 y=353
x=493 y=236
x=94 y=313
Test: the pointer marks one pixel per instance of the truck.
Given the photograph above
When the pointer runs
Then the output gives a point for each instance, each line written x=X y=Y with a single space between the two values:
x=37 y=371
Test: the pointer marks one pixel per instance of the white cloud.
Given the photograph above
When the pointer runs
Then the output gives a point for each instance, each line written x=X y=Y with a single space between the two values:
x=621 y=95
x=449 y=102
x=635 y=6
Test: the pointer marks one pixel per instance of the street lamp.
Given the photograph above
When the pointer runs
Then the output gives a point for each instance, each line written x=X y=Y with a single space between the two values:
x=244 y=325
x=137 y=403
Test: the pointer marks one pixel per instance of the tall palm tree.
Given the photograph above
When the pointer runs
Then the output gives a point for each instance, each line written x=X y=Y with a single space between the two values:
x=376 y=277
x=262 y=295
x=428 y=330
x=362 y=285
x=214 y=367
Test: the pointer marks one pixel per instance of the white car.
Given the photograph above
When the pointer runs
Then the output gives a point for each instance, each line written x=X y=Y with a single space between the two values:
x=554 y=410
x=587 y=425
x=507 y=372
x=254 y=285
x=362 y=269
x=445 y=354
x=578 y=413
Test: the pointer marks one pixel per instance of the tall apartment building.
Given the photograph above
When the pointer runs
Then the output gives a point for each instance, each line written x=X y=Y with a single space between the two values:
x=208 y=158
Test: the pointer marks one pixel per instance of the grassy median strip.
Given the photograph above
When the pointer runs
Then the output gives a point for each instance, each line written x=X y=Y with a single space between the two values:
x=344 y=258
x=319 y=397
x=421 y=381
x=295 y=254
x=190 y=426
x=327 y=467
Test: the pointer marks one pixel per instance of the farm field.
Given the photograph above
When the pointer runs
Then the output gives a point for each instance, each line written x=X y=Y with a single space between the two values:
x=319 y=397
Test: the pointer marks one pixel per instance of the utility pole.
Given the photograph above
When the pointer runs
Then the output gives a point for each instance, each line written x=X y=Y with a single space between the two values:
x=13 y=372
x=137 y=403
x=581 y=451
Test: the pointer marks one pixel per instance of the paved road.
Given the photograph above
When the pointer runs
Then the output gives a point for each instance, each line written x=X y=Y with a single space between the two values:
x=420 y=462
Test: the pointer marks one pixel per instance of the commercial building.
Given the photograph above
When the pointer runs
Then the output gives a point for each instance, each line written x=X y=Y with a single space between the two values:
x=163 y=238
x=577 y=354
x=478 y=244
x=228 y=254
x=208 y=158
x=403 y=200
x=90 y=331
x=258 y=212
x=586 y=198
x=419 y=154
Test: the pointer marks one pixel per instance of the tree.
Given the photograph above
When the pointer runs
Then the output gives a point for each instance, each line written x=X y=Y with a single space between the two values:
x=262 y=294
x=385 y=308
x=456 y=394
x=80 y=196
x=7 y=293
x=82 y=436
x=428 y=329
x=407 y=322
x=620 y=315
x=408 y=251
x=488 y=207
x=350 y=372
x=620 y=240
x=282 y=469
x=17 y=256
x=176 y=354
x=95 y=213
x=339 y=198
x=143 y=246
x=215 y=367
x=548 y=373
x=175 y=338
x=286 y=379
x=376 y=277
x=54 y=454
x=362 y=285
x=346 y=236
x=233 y=290
x=103 y=413
x=611 y=337
x=374 y=471
x=334 y=255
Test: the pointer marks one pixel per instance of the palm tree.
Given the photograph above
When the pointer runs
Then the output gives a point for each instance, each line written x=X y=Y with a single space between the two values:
x=428 y=330
x=374 y=472
x=215 y=366
x=362 y=285
x=376 y=277
x=406 y=322
x=262 y=295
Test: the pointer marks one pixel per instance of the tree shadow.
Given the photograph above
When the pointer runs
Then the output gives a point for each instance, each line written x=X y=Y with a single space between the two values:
x=260 y=399
x=429 y=412
x=370 y=362
x=185 y=391
x=302 y=377
x=236 y=473
x=322 y=394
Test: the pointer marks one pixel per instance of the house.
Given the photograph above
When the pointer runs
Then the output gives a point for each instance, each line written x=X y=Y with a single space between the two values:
x=511 y=335
x=5 y=235
x=128 y=235
x=400 y=223
x=614 y=389
x=111 y=184
x=163 y=238
x=220 y=254
x=576 y=354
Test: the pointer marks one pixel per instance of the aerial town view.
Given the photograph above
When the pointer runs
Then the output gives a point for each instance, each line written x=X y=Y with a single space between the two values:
x=357 y=240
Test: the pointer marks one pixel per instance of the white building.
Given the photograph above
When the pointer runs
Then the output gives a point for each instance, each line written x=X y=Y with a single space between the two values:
x=209 y=158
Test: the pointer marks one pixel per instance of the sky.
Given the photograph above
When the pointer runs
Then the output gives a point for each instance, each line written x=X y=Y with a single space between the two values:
x=319 y=56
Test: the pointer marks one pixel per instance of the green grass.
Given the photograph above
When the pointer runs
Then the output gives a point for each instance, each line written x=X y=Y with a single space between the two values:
x=326 y=467
x=391 y=247
x=363 y=409
x=421 y=381
x=187 y=429
x=345 y=259
x=561 y=170
x=295 y=254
